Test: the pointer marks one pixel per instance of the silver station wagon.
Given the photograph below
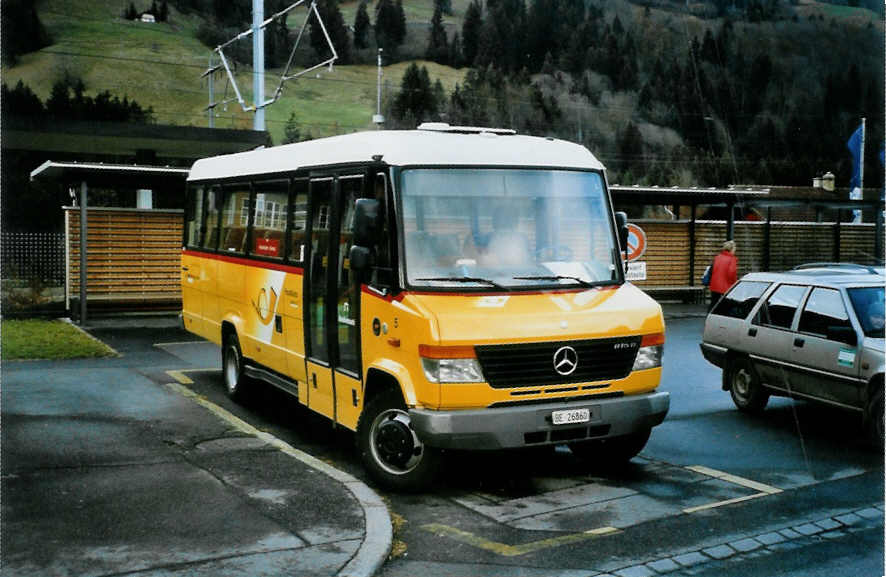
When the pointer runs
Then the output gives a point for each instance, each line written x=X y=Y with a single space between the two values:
x=815 y=332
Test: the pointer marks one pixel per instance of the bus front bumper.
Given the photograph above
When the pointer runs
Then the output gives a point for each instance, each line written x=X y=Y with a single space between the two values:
x=532 y=425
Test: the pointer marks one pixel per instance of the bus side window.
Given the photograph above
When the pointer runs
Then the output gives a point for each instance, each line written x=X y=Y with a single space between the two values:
x=235 y=219
x=299 y=223
x=269 y=219
x=382 y=273
x=210 y=230
x=194 y=217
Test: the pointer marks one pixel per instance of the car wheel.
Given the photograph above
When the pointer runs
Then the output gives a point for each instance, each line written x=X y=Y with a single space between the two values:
x=232 y=368
x=875 y=417
x=744 y=385
x=392 y=453
x=613 y=451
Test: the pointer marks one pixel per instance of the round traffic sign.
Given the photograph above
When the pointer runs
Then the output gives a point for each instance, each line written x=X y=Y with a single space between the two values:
x=636 y=242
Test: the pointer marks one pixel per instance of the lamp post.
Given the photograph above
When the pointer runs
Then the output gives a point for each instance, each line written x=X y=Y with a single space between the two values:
x=377 y=118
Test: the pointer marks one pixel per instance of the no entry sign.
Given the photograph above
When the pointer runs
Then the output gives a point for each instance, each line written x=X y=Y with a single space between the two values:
x=636 y=242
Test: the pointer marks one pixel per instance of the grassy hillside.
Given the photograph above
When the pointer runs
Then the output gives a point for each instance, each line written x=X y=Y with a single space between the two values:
x=159 y=65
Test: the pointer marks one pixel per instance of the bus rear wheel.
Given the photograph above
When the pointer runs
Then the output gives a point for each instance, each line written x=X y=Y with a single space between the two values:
x=232 y=368
x=392 y=453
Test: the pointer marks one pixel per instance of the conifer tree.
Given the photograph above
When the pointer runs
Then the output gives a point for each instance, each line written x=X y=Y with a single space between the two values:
x=438 y=43
x=386 y=25
x=416 y=101
x=470 y=32
x=400 y=29
x=361 y=27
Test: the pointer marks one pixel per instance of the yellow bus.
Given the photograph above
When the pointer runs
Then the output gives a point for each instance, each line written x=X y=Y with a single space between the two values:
x=431 y=289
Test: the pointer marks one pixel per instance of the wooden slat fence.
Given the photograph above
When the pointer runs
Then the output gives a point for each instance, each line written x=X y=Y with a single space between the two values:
x=132 y=255
x=790 y=244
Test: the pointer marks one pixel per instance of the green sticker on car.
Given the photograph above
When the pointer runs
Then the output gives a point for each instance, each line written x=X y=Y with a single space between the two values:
x=846 y=358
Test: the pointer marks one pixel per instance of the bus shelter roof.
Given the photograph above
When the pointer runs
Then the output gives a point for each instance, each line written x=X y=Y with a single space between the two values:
x=103 y=174
x=686 y=195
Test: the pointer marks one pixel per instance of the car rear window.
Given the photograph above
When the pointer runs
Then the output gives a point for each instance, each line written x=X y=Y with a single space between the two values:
x=741 y=299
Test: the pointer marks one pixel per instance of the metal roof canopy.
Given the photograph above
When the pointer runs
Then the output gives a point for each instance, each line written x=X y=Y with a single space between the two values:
x=100 y=174
x=687 y=195
x=738 y=196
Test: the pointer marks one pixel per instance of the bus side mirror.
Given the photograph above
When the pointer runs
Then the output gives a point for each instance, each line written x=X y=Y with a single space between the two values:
x=366 y=222
x=359 y=259
x=621 y=223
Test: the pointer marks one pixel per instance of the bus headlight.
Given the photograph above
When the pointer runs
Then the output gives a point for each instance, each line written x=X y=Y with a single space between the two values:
x=650 y=353
x=450 y=364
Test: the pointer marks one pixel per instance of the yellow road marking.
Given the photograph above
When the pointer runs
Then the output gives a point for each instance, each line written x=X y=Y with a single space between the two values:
x=268 y=438
x=762 y=489
x=515 y=550
x=182 y=378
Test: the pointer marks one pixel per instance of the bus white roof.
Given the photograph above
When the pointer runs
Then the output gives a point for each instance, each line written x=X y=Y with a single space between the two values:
x=401 y=148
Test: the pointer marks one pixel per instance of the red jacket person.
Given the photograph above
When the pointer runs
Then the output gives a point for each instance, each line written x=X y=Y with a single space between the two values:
x=724 y=271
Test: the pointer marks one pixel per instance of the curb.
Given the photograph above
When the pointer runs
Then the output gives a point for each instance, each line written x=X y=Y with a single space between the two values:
x=378 y=532
x=835 y=526
x=83 y=331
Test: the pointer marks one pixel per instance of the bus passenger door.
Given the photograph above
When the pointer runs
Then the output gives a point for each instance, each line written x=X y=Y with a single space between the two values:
x=332 y=329
x=321 y=394
x=346 y=358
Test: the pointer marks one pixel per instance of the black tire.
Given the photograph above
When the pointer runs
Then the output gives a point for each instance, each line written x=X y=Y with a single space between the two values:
x=391 y=452
x=747 y=392
x=875 y=417
x=232 y=368
x=611 y=452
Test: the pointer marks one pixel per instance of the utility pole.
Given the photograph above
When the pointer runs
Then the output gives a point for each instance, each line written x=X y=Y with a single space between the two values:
x=211 y=107
x=258 y=63
x=861 y=158
x=858 y=193
x=378 y=119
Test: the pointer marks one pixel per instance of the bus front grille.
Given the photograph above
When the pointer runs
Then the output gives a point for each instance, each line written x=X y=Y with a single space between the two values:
x=533 y=364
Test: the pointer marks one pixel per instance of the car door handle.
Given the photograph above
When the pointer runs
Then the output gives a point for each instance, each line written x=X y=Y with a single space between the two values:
x=799 y=343
x=752 y=332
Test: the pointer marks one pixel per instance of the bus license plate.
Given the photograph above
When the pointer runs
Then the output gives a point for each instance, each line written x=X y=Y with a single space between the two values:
x=571 y=416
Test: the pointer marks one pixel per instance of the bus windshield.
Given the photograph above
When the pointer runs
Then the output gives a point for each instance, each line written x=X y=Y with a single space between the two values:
x=506 y=228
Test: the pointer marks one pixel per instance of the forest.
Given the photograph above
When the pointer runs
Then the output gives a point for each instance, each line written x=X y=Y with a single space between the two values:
x=754 y=94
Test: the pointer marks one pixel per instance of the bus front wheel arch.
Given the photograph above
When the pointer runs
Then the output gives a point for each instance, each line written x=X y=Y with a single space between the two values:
x=391 y=452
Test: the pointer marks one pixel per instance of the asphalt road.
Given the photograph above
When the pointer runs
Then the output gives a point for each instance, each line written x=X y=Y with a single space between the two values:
x=796 y=491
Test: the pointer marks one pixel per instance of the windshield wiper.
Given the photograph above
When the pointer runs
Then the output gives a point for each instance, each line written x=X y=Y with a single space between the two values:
x=491 y=283
x=580 y=281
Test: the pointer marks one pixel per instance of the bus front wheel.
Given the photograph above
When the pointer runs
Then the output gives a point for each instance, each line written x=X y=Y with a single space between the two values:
x=232 y=368
x=389 y=448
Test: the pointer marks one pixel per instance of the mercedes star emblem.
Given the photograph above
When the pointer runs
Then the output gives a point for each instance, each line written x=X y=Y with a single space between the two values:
x=565 y=360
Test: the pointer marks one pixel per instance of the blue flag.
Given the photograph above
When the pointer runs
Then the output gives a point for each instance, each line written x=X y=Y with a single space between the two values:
x=854 y=146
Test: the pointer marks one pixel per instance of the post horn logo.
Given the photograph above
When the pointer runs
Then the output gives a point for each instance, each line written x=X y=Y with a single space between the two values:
x=263 y=308
x=565 y=360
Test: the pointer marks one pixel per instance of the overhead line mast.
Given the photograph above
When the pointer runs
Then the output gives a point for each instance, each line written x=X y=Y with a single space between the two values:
x=258 y=87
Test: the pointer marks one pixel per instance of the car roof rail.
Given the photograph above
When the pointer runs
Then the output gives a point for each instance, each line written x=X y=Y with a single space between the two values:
x=841 y=266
